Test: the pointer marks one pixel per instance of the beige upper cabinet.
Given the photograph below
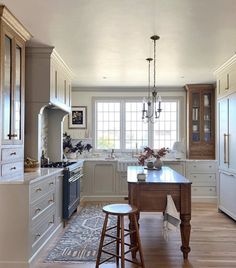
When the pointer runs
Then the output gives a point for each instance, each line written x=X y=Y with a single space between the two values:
x=13 y=36
x=48 y=78
x=226 y=78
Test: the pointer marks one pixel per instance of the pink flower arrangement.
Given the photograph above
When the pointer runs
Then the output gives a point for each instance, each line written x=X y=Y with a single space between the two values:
x=148 y=153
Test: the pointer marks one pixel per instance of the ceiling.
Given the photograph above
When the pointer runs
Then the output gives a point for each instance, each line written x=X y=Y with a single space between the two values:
x=106 y=42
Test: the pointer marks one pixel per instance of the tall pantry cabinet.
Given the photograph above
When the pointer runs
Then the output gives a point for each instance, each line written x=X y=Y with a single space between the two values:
x=226 y=136
x=13 y=36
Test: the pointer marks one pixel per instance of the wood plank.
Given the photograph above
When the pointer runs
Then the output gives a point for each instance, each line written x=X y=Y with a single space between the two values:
x=213 y=242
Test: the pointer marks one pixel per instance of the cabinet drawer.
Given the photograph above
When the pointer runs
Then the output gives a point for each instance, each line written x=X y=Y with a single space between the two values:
x=11 y=168
x=198 y=179
x=41 y=188
x=203 y=191
x=9 y=154
x=201 y=167
x=41 y=231
x=38 y=208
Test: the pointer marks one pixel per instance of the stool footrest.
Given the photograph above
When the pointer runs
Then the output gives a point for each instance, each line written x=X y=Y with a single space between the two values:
x=106 y=260
x=115 y=255
x=110 y=228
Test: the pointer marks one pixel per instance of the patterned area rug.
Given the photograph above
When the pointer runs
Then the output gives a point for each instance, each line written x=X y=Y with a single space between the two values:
x=81 y=238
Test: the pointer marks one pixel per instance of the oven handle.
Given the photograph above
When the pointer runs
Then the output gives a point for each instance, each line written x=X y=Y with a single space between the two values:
x=75 y=178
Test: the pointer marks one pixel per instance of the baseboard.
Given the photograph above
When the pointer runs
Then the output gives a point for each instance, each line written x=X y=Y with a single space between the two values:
x=105 y=198
x=204 y=199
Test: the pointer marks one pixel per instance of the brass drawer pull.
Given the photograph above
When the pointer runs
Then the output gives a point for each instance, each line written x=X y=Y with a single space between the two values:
x=38 y=190
x=37 y=236
x=37 y=210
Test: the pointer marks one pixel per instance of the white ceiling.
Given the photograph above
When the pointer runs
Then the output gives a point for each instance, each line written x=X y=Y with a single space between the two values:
x=106 y=42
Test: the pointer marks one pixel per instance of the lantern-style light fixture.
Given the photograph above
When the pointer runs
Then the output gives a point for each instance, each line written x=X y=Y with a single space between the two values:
x=152 y=104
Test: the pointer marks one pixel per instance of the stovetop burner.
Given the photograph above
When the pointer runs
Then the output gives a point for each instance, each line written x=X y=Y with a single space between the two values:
x=58 y=164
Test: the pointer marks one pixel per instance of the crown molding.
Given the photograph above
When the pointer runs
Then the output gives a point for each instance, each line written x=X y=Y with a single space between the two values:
x=14 y=23
x=227 y=64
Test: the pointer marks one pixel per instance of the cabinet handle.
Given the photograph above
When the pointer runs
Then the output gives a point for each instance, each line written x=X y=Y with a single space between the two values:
x=50 y=222
x=227 y=80
x=38 y=190
x=194 y=176
x=194 y=166
x=226 y=149
x=51 y=183
x=14 y=153
x=51 y=201
x=37 y=236
x=210 y=190
x=12 y=168
x=210 y=166
x=37 y=210
x=12 y=135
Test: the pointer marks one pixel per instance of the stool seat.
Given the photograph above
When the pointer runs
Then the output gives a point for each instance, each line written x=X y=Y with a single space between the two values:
x=122 y=245
x=120 y=209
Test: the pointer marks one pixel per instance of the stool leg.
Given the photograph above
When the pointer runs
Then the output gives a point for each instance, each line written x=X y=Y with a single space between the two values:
x=122 y=242
x=118 y=240
x=138 y=240
x=101 y=241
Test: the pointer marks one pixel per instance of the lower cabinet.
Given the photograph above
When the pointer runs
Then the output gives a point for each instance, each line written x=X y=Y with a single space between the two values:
x=99 y=179
x=203 y=175
x=31 y=217
x=227 y=193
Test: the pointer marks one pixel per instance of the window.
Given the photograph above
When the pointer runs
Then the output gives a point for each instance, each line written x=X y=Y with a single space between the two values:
x=107 y=125
x=118 y=125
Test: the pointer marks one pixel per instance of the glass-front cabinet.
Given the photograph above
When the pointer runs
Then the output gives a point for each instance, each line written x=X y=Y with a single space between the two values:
x=13 y=36
x=12 y=88
x=200 y=121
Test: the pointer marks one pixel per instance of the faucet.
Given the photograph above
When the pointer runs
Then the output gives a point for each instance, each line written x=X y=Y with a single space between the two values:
x=112 y=153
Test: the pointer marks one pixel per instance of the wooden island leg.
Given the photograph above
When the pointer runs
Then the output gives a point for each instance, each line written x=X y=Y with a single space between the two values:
x=185 y=229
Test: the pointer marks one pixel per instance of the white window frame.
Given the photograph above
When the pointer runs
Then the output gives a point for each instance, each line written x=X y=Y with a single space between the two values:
x=179 y=128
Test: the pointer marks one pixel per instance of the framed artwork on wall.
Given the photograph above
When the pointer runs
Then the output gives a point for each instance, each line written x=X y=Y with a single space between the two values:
x=78 y=117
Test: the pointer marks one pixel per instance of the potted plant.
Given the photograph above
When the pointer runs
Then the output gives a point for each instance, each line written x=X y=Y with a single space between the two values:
x=149 y=154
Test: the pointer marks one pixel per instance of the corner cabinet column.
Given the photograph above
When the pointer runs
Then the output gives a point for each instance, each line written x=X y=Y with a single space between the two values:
x=13 y=36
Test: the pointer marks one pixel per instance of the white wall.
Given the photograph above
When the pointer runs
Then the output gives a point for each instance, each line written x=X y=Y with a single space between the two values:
x=84 y=97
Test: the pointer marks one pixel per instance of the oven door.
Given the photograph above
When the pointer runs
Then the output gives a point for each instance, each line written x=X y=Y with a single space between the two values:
x=71 y=193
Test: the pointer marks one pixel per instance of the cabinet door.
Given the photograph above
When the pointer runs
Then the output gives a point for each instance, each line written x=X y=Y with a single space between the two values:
x=12 y=94
x=6 y=91
x=232 y=133
x=104 y=178
x=227 y=198
x=223 y=133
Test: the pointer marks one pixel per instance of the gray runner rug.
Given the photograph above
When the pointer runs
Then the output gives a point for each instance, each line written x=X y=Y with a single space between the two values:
x=80 y=241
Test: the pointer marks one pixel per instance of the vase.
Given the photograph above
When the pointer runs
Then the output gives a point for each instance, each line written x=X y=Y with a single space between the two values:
x=158 y=163
x=149 y=164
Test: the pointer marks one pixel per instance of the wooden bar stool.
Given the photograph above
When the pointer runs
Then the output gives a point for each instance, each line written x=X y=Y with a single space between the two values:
x=120 y=210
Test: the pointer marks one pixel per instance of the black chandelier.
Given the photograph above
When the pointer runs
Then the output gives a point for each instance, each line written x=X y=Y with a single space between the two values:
x=152 y=104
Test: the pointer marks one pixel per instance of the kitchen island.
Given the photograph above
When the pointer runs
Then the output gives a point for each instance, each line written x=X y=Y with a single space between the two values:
x=151 y=195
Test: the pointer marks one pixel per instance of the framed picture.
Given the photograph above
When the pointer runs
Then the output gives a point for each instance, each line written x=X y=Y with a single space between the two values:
x=78 y=117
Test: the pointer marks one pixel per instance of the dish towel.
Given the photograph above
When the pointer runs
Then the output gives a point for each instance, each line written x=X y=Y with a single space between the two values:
x=171 y=218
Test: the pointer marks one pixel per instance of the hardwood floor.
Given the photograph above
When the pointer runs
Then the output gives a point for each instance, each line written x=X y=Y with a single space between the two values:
x=213 y=242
